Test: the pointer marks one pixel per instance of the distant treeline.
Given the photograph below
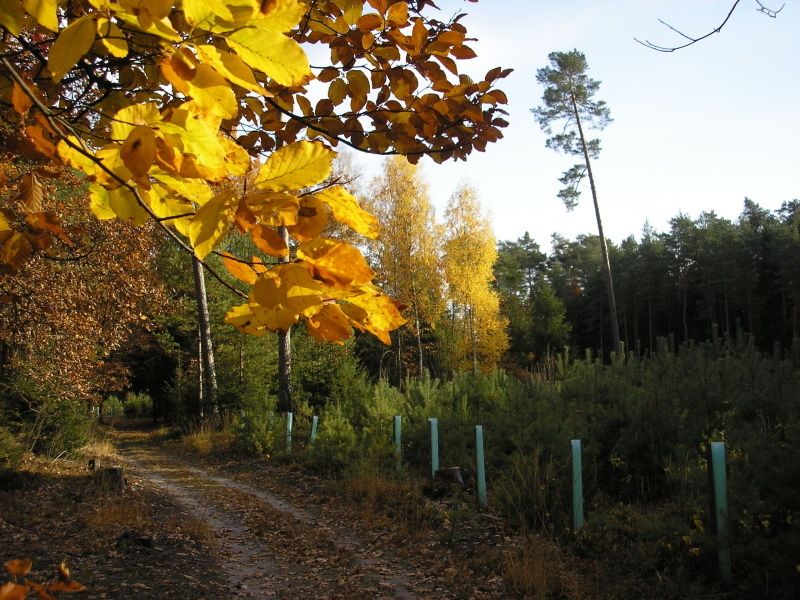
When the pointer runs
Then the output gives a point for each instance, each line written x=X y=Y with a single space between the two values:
x=704 y=278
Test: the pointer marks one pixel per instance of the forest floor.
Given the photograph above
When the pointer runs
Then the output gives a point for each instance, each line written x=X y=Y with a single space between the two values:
x=188 y=526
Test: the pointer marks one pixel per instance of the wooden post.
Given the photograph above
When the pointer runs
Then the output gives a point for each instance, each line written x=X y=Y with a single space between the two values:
x=480 y=466
x=720 y=494
x=288 y=432
x=577 y=486
x=398 y=446
x=434 y=445
x=314 y=423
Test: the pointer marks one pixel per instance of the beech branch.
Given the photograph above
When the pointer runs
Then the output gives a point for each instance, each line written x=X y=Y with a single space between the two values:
x=770 y=12
x=57 y=125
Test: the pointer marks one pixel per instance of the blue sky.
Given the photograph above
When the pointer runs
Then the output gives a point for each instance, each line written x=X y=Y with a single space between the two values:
x=694 y=130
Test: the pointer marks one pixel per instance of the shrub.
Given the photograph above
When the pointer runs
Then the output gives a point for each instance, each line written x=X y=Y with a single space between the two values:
x=10 y=451
x=138 y=404
x=60 y=427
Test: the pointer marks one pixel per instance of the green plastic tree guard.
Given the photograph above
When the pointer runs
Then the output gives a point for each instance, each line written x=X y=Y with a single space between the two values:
x=577 y=486
x=480 y=466
x=721 y=510
x=434 y=445
x=398 y=446
x=314 y=423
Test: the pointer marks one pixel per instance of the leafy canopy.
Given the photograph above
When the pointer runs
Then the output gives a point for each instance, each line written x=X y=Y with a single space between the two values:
x=167 y=106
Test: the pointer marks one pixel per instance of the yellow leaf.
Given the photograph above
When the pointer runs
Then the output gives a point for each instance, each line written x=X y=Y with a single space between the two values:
x=299 y=292
x=205 y=12
x=99 y=203
x=330 y=324
x=295 y=166
x=273 y=208
x=196 y=137
x=176 y=212
x=336 y=263
x=312 y=217
x=72 y=43
x=209 y=90
x=195 y=190
x=345 y=209
x=123 y=204
x=211 y=222
x=243 y=318
x=44 y=11
x=124 y=120
x=112 y=38
x=75 y=158
x=11 y=16
x=19 y=567
x=279 y=15
x=276 y=55
x=20 y=100
x=148 y=11
x=231 y=67
x=240 y=270
x=269 y=241
x=162 y=28
x=15 y=251
x=139 y=150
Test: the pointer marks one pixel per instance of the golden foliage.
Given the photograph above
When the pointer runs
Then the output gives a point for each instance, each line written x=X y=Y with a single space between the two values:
x=163 y=107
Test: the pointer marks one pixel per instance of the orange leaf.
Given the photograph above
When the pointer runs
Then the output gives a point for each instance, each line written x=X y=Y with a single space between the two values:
x=40 y=590
x=336 y=263
x=312 y=216
x=269 y=241
x=31 y=193
x=65 y=586
x=19 y=567
x=13 y=591
x=330 y=324
x=242 y=271
x=20 y=100
x=369 y=21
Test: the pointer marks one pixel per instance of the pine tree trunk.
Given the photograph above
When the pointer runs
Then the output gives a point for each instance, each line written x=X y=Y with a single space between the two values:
x=209 y=401
x=612 y=302
x=285 y=400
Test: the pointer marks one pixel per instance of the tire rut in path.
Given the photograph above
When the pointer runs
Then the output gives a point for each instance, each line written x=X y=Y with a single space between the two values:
x=295 y=548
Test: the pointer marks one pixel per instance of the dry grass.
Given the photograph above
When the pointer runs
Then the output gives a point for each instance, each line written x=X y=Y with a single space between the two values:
x=117 y=515
x=208 y=440
x=400 y=501
x=101 y=449
x=535 y=570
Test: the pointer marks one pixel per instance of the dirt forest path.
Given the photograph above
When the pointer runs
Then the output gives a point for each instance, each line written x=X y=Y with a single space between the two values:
x=271 y=548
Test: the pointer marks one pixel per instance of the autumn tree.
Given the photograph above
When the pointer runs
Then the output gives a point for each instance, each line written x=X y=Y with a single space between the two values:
x=478 y=330
x=159 y=102
x=407 y=252
x=77 y=301
x=568 y=101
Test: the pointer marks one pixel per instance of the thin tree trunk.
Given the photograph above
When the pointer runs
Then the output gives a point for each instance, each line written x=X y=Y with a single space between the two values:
x=206 y=348
x=201 y=387
x=612 y=302
x=473 y=340
x=285 y=400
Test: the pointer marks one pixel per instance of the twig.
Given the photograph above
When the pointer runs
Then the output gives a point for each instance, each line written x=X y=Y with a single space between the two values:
x=56 y=124
x=692 y=40
x=769 y=11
